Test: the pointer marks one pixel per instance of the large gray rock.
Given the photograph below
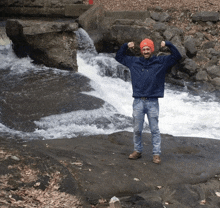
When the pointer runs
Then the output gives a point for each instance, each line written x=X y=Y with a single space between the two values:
x=91 y=19
x=164 y=17
x=202 y=76
x=190 y=66
x=209 y=44
x=190 y=47
x=176 y=40
x=216 y=82
x=183 y=178
x=155 y=16
x=171 y=32
x=214 y=71
x=50 y=43
x=161 y=17
x=124 y=31
x=127 y=33
x=206 y=16
x=160 y=27
x=149 y=22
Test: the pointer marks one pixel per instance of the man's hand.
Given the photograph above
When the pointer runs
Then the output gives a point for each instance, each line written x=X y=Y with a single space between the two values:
x=131 y=45
x=163 y=44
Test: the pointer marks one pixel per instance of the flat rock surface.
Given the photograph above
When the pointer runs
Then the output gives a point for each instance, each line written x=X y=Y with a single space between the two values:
x=98 y=168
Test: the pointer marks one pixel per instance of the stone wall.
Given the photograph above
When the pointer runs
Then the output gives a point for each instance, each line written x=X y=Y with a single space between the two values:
x=58 y=8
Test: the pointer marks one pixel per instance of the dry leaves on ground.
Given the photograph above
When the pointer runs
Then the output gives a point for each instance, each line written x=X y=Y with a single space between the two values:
x=16 y=191
x=122 y=5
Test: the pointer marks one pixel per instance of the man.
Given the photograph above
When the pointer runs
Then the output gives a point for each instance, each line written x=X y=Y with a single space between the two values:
x=148 y=78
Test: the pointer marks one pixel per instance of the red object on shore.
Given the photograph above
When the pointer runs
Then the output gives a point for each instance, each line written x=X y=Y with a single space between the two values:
x=90 y=1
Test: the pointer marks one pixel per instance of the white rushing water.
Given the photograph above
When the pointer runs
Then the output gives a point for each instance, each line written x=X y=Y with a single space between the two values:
x=181 y=113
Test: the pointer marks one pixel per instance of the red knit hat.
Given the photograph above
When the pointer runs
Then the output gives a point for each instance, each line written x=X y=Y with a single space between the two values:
x=147 y=42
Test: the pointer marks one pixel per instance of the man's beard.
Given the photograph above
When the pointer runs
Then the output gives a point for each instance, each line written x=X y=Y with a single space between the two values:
x=147 y=55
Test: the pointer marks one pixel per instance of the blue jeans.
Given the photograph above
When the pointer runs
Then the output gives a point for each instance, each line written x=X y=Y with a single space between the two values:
x=149 y=106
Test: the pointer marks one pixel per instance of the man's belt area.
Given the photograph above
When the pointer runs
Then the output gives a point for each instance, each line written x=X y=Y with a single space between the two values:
x=144 y=98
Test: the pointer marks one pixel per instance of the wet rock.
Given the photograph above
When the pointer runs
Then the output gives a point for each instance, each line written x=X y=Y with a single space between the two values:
x=50 y=43
x=191 y=162
x=175 y=81
x=202 y=76
x=207 y=87
x=56 y=94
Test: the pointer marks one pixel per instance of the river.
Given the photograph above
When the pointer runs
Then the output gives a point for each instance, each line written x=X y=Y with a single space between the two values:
x=181 y=112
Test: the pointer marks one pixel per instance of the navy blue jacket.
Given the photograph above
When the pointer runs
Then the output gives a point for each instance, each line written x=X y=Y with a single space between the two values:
x=148 y=75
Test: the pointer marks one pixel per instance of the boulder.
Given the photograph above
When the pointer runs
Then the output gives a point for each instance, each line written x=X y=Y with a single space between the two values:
x=216 y=82
x=214 y=71
x=168 y=34
x=149 y=22
x=123 y=31
x=190 y=47
x=214 y=61
x=209 y=44
x=50 y=43
x=160 y=27
x=207 y=87
x=155 y=16
x=164 y=17
x=206 y=16
x=91 y=19
x=127 y=33
x=161 y=17
x=213 y=52
x=171 y=32
x=189 y=66
x=202 y=76
x=176 y=40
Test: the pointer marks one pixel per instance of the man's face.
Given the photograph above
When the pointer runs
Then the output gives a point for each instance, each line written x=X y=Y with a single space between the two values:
x=146 y=51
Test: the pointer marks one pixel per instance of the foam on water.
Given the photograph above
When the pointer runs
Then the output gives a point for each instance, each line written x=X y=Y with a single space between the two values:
x=68 y=125
x=181 y=113
x=185 y=115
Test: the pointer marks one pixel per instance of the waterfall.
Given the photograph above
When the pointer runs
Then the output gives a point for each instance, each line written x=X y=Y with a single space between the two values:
x=181 y=113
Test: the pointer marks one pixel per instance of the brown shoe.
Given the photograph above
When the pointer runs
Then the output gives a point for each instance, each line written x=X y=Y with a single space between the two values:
x=156 y=159
x=135 y=155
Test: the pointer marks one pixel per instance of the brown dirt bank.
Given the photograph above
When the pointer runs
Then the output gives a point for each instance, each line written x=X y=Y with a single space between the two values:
x=122 y=5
